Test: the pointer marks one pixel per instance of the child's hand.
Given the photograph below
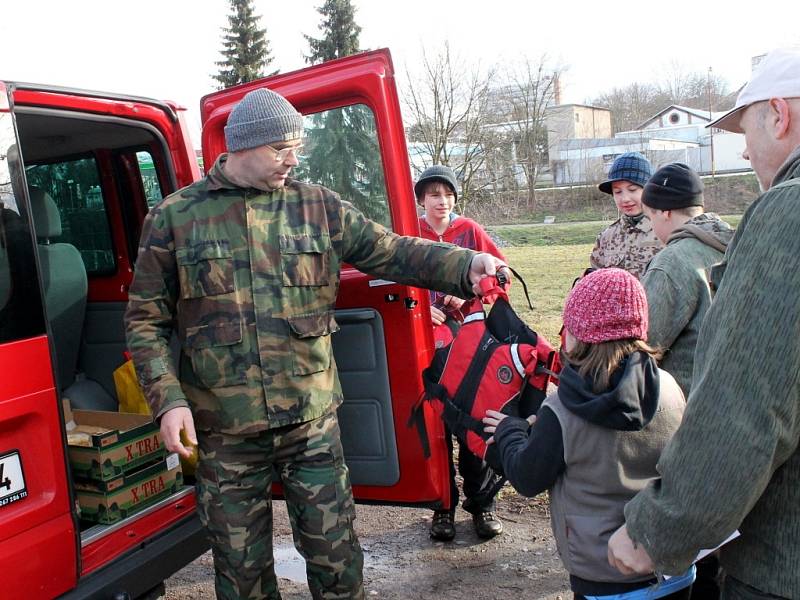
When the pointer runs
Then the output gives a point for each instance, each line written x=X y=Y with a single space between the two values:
x=492 y=419
x=437 y=316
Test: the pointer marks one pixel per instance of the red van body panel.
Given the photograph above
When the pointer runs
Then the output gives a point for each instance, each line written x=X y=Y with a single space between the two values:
x=37 y=533
x=42 y=549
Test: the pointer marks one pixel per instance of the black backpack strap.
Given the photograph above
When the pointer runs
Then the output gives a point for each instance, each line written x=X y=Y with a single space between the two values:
x=432 y=389
x=417 y=420
x=503 y=280
x=460 y=407
x=458 y=421
x=530 y=399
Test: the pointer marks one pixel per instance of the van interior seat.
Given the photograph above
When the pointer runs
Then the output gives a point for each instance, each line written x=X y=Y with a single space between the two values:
x=65 y=291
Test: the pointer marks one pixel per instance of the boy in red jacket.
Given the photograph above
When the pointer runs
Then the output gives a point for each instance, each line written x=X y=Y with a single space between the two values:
x=437 y=192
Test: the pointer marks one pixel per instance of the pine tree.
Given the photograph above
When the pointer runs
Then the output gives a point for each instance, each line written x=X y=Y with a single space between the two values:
x=245 y=47
x=340 y=32
x=343 y=152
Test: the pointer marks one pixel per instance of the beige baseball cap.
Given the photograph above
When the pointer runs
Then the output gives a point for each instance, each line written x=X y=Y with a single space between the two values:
x=777 y=76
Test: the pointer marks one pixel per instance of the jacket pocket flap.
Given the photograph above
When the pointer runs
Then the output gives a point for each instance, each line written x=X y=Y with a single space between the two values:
x=316 y=325
x=303 y=244
x=190 y=255
x=208 y=336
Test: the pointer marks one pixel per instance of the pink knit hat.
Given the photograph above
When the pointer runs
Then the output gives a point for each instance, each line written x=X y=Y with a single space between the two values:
x=605 y=305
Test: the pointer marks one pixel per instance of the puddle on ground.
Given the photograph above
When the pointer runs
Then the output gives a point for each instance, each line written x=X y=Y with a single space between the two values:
x=290 y=565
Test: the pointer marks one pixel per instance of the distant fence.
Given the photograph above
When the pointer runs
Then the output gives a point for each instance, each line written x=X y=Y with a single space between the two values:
x=723 y=194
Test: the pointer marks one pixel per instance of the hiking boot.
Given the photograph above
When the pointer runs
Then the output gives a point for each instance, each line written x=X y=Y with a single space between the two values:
x=487 y=525
x=443 y=526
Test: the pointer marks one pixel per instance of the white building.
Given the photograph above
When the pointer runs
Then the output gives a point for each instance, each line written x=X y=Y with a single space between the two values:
x=674 y=134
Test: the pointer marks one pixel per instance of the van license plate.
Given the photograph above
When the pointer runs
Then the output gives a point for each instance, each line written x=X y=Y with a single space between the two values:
x=12 y=481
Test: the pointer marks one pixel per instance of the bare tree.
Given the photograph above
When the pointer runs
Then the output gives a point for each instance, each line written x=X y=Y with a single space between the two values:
x=692 y=89
x=446 y=105
x=633 y=104
x=529 y=94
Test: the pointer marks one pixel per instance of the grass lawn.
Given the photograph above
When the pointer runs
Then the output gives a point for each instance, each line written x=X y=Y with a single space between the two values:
x=562 y=234
x=549 y=258
x=548 y=272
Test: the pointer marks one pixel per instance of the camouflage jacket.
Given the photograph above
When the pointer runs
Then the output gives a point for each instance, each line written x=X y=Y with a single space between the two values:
x=247 y=280
x=626 y=244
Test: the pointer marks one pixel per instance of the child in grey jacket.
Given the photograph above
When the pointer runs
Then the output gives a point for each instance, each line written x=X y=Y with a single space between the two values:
x=596 y=441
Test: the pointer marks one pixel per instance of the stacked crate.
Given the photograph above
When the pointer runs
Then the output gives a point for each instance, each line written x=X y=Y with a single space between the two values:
x=119 y=464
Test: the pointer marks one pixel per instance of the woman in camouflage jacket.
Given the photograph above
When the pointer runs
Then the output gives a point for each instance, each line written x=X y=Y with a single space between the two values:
x=629 y=242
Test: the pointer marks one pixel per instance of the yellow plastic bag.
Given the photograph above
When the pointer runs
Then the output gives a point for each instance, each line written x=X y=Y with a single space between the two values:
x=131 y=400
x=129 y=392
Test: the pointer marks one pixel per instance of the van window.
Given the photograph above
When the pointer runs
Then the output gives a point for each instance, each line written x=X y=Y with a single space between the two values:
x=147 y=169
x=21 y=313
x=74 y=185
x=342 y=153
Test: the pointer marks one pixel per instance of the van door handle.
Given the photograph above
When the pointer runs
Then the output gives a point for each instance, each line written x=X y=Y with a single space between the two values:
x=354 y=315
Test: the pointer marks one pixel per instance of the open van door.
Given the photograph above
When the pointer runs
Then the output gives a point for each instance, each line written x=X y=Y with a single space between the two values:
x=74 y=189
x=35 y=511
x=352 y=110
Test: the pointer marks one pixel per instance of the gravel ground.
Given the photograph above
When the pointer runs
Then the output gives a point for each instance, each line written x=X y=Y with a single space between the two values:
x=402 y=562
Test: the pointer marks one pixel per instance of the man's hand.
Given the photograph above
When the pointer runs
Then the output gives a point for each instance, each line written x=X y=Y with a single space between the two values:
x=172 y=422
x=437 y=316
x=483 y=265
x=626 y=557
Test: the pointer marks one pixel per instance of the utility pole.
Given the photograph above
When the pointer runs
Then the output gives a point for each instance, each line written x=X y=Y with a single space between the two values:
x=711 y=118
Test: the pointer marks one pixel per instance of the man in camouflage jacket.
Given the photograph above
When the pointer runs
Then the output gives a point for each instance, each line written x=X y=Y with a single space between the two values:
x=243 y=266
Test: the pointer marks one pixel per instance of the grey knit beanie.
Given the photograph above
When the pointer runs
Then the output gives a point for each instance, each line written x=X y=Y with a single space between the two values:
x=436 y=173
x=262 y=117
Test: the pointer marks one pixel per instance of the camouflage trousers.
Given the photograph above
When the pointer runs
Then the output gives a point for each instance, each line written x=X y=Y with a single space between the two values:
x=234 y=479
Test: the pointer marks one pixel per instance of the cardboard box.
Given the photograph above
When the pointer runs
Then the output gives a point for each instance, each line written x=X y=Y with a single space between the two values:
x=103 y=445
x=113 y=500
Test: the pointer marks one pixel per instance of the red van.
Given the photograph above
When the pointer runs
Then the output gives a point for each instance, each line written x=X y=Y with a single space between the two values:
x=65 y=268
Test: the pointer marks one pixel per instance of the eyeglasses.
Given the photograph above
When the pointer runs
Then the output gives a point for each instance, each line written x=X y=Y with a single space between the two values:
x=282 y=154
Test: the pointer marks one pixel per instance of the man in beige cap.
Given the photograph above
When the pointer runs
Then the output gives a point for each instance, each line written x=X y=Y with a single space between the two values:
x=734 y=462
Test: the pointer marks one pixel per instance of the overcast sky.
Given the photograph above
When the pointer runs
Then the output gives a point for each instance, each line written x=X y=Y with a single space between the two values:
x=167 y=48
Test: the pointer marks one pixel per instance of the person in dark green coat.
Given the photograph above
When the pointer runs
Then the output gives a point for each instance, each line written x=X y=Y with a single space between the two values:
x=734 y=462
x=676 y=280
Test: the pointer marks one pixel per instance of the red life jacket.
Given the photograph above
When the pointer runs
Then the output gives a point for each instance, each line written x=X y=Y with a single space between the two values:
x=495 y=362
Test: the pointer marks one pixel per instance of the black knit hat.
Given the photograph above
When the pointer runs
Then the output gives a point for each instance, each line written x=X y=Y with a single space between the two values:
x=631 y=166
x=675 y=185
x=436 y=173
